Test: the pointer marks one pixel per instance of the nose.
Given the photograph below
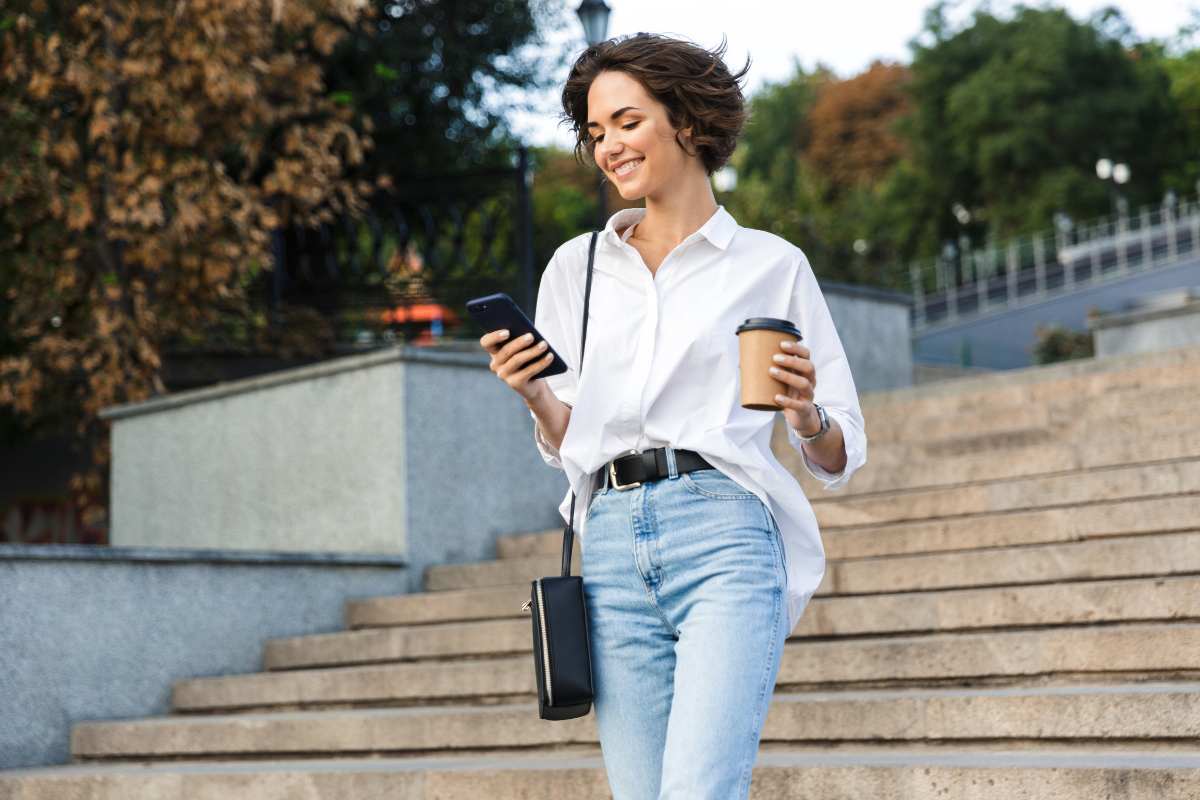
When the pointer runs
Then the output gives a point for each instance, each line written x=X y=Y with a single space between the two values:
x=604 y=156
x=607 y=153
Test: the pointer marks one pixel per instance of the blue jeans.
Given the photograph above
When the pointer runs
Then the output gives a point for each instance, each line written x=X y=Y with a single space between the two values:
x=684 y=580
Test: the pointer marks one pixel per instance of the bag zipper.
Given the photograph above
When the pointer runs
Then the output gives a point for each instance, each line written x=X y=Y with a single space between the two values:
x=545 y=642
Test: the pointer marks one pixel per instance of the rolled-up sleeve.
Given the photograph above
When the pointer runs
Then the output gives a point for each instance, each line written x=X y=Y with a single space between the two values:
x=835 y=389
x=553 y=320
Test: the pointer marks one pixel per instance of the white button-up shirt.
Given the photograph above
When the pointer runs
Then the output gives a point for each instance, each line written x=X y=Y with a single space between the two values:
x=661 y=368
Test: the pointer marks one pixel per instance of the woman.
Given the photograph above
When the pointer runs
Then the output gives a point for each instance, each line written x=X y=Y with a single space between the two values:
x=699 y=550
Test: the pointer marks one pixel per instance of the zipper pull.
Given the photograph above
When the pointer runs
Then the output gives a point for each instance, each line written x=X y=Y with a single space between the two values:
x=525 y=605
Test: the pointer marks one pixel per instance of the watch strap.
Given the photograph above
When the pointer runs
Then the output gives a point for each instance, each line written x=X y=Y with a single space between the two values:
x=824 y=417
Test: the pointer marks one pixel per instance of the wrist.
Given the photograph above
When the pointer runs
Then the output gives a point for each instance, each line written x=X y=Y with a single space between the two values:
x=817 y=425
x=538 y=397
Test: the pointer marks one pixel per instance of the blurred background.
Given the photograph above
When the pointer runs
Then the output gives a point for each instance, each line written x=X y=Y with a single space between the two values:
x=193 y=193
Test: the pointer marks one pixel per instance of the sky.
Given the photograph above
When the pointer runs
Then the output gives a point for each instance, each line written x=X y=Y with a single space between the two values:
x=844 y=35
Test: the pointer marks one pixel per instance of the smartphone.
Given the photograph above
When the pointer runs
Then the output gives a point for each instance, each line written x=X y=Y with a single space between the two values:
x=498 y=311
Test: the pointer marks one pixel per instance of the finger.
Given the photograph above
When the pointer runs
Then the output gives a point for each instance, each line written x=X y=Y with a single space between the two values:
x=518 y=344
x=798 y=364
x=801 y=404
x=801 y=365
x=792 y=379
x=522 y=358
x=492 y=340
x=795 y=348
x=536 y=366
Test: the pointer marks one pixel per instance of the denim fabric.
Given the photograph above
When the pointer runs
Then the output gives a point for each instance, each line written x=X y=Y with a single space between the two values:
x=685 y=583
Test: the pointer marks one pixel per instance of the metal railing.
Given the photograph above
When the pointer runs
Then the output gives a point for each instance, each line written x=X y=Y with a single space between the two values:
x=400 y=271
x=967 y=283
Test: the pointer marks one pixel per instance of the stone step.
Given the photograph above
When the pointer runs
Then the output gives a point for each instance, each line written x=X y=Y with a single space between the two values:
x=908 y=468
x=1043 y=526
x=473 y=627
x=1042 y=772
x=1128 y=713
x=1123 y=650
x=1062 y=406
x=1014 y=388
x=1012 y=494
x=506 y=629
x=1110 y=557
x=1121 y=439
x=1000 y=529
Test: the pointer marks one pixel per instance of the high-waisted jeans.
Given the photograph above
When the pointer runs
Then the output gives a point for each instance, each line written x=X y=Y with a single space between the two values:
x=685 y=582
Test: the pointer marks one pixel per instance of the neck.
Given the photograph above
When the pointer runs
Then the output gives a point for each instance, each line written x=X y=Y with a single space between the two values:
x=678 y=211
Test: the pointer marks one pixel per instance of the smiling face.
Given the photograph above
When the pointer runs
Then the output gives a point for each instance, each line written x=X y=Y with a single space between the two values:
x=640 y=131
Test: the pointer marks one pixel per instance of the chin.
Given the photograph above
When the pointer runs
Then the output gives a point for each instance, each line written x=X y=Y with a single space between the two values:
x=634 y=191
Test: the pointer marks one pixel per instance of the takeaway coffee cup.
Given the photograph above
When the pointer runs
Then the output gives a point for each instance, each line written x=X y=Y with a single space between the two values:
x=758 y=342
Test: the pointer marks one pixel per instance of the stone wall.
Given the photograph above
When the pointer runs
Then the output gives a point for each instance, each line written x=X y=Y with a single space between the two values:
x=95 y=632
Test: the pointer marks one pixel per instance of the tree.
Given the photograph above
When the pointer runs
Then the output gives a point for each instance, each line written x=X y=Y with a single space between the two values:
x=1011 y=115
x=1181 y=60
x=814 y=162
x=853 y=142
x=776 y=190
x=438 y=79
x=147 y=152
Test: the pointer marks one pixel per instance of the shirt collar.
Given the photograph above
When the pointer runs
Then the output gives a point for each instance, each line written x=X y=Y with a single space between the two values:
x=719 y=228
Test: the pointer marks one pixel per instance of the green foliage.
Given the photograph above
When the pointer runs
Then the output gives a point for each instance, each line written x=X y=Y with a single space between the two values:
x=777 y=129
x=1006 y=116
x=437 y=79
x=1058 y=343
x=1011 y=115
x=776 y=191
x=1184 y=73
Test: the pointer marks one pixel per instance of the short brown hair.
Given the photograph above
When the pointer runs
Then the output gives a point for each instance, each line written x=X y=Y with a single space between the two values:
x=693 y=83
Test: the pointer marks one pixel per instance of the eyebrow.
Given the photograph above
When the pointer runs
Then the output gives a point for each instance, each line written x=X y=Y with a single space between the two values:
x=616 y=114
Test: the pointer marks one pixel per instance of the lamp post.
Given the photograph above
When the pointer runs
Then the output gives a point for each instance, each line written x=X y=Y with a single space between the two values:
x=1119 y=173
x=593 y=14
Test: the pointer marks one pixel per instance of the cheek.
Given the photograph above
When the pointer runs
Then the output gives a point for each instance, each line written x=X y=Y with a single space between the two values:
x=644 y=141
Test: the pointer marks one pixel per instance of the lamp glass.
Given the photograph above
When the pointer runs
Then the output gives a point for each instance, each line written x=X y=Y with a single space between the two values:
x=593 y=14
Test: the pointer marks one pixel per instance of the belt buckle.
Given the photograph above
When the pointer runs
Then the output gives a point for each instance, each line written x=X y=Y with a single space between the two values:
x=612 y=472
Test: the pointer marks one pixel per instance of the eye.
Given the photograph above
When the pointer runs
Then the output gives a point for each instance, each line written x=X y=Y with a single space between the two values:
x=628 y=127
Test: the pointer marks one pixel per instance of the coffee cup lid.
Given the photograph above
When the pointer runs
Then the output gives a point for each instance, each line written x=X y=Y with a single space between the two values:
x=771 y=324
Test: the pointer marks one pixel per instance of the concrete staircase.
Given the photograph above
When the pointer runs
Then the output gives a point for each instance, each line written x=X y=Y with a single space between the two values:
x=1011 y=610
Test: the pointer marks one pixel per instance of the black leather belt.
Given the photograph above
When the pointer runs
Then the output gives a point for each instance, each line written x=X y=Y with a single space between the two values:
x=634 y=467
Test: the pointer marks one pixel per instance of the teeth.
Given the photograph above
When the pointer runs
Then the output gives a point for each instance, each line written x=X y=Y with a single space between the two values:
x=627 y=167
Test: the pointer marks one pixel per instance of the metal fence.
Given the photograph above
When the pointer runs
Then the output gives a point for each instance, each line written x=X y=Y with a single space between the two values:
x=1028 y=269
x=404 y=269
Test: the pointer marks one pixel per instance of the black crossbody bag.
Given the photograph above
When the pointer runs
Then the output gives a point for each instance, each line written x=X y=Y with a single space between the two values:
x=562 y=656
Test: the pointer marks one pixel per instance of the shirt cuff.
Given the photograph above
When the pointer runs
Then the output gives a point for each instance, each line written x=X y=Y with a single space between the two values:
x=549 y=452
x=564 y=389
x=855 y=454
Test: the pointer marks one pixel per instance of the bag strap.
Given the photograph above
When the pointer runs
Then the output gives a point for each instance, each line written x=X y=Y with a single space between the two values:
x=569 y=531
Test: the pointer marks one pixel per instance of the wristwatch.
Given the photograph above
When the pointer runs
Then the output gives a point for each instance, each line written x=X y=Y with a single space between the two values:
x=824 y=425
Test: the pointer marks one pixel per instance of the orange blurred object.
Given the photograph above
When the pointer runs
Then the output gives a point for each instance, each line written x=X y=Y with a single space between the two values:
x=419 y=312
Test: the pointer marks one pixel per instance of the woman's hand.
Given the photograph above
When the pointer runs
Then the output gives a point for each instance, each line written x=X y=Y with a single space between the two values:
x=800 y=377
x=516 y=362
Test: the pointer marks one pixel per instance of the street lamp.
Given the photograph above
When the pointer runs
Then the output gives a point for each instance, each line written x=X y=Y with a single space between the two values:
x=1119 y=173
x=593 y=14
